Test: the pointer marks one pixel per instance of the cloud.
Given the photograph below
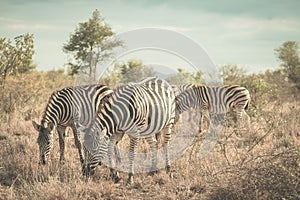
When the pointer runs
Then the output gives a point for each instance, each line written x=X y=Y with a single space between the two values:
x=9 y=20
x=246 y=28
x=119 y=26
x=263 y=9
x=31 y=27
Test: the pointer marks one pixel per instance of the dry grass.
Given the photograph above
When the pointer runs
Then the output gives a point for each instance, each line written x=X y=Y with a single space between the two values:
x=263 y=163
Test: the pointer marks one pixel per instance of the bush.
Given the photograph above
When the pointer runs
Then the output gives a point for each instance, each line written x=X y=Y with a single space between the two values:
x=21 y=94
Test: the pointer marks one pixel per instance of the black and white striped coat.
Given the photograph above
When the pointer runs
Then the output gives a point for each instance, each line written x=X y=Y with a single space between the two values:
x=215 y=100
x=141 y=110
x=64 y=107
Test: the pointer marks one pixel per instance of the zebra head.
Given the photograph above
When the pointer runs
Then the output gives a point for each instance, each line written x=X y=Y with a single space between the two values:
x=95 y=145
x=187 y=99
x=45 y=139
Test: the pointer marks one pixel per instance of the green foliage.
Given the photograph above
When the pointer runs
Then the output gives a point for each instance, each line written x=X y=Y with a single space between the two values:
x=288 y=54
x=90 y=44
x=111 y=77
x=260 y=90
x=16 y=58
x=270 y=86
x=184 y=77
x=133 y=71
x=232 y=74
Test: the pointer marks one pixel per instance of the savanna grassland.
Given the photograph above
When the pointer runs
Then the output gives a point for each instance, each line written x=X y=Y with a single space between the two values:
x=260 y=163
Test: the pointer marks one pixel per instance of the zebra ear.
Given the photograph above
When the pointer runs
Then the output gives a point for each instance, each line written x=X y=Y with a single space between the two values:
x=176 y=101
x=50 y=126
x=36 y=126
x=79 y=127
x=105 y=99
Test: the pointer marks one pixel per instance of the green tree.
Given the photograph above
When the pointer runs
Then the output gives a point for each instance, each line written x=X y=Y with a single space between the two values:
x=91 y=43
x=16 y=58
x=288 y=54
x=232 y=74
x=184 y=77
x=134 y=70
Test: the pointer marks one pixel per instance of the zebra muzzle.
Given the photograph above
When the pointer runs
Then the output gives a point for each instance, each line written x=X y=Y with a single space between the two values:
x=43 y=160
x=87 y=171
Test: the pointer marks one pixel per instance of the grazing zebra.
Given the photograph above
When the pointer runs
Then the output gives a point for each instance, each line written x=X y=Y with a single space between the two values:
x=178 y=89
x=141 y=110
x=217 y=100
x=64 y=107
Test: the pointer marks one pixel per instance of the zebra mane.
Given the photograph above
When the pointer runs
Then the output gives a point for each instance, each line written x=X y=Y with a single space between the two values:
x=43 y=121
x=105 y=99
x=49 y=103
x=143 y=81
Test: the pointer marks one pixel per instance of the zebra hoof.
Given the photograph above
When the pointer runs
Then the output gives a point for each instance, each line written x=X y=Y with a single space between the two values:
x=81 y=161
x=168 y=168
x=62 y=161
x=152 y=172
x=168 y=171
x=115 y=177
x=171 y=175
x=130 y=179
x=118 y=160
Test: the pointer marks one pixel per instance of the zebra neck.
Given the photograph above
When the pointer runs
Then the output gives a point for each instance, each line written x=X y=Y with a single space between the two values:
x=187 y=100
x=105 y=119
x=50 y=115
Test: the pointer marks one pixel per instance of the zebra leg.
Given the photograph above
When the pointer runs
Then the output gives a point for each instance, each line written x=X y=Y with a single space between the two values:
x=239 y=116
x=166 y=150
x=133 y=143
x=111 y=147
x=247 y=119
x=203 y=114
x=117 y=154
x=243 y=117
x=116 y=147
x=200 y=123
x=153 y=148
x=61 y=136
x=77 y=144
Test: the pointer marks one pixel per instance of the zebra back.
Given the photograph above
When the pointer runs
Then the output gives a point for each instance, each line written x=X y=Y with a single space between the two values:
x=74 y=103
x=144 y=108
x=217 y=99
x=222 y=99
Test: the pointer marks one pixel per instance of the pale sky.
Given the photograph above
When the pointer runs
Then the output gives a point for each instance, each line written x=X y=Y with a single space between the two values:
x=231 y=31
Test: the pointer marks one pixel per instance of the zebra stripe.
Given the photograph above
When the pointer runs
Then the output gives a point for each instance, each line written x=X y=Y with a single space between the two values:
x=215 y=100
x=141 y=110
x=178 y=89
x=64 y=107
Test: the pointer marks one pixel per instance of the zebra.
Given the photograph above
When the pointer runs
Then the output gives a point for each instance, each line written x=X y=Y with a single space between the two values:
x=178 y=89
x=215 y=100
x=65 y=107
x=141 y=110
